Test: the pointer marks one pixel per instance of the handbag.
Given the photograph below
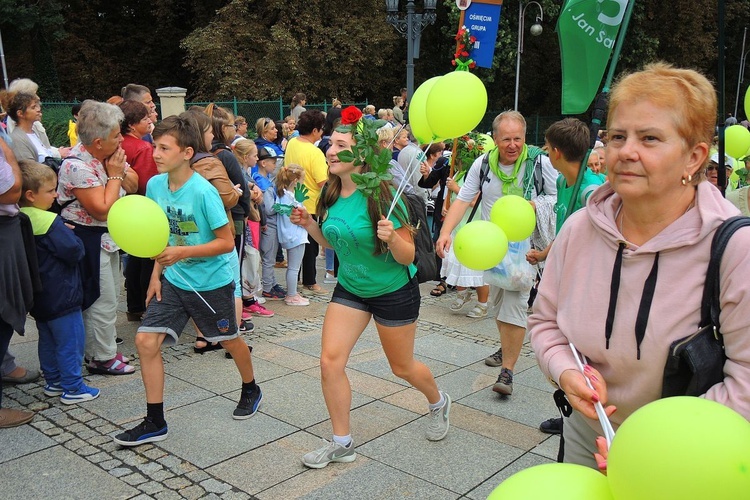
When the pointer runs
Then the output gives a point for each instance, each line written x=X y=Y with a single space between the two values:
x=695 y=363
x=514 y=273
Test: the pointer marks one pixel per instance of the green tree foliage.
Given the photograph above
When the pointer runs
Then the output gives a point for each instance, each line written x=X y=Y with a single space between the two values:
x=252 y=49
x=267 y=49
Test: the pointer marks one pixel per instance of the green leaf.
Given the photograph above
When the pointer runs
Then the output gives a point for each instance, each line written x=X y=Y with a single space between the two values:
x=385 y=157
x=346 y=156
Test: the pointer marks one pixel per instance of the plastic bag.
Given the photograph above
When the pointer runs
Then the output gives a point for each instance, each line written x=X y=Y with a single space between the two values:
x=513 y=273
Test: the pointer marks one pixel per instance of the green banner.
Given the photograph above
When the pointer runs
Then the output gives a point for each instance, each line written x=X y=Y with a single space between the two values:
x=587 y=30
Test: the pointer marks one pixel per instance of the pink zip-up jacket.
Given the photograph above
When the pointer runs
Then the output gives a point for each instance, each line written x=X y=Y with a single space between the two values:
x=574 y=295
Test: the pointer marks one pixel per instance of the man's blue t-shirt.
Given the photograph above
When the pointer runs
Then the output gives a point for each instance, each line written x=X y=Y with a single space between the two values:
x=194 y=211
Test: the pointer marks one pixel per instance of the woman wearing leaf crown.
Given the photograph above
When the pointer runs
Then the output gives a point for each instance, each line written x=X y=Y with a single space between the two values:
x=376 y=280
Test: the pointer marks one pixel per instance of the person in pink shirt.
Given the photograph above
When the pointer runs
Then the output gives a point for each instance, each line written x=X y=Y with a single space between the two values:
x=625 y=277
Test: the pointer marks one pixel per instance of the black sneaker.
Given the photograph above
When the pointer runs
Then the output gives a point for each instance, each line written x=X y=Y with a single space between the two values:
x=504 y=384
x=247 y=326
x=248 y=405
x=118 y=341
x=145 y=432
x=552 y=426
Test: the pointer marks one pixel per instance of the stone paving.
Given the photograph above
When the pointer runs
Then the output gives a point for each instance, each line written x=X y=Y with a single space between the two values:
x=68 y=452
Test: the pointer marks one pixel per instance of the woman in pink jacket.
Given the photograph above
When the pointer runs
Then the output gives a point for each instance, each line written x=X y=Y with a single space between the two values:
x=648 y=229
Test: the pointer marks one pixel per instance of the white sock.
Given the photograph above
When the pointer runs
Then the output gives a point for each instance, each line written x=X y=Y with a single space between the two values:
x=344 y=441
x=483 y=304
x=439 y=404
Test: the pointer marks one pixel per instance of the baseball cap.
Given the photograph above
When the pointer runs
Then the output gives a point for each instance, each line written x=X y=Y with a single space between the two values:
x=266 y=152
x=728 y=160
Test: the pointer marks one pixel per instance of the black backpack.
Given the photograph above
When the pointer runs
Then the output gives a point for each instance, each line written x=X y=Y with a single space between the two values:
x=424 y=248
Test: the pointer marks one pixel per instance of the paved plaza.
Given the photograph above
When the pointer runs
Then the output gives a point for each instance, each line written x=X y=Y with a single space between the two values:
x=67 y=451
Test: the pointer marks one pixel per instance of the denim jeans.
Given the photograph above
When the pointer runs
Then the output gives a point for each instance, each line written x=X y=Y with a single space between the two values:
x=61 y=343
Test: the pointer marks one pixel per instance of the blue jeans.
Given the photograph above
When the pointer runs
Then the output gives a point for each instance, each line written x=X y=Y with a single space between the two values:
x=61 y=343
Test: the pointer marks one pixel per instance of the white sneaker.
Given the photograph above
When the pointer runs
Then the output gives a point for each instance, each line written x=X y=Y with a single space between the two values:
x=479 y=311
x=260 y=299
x=330 y=279
x=296 y=300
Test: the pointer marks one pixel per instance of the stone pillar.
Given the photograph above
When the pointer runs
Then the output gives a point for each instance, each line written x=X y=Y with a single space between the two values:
x=172 y=100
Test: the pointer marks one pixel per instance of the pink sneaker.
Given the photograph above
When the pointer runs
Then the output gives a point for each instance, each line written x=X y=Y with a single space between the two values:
x=246 y=316
x=259 y=310
x=296 y=300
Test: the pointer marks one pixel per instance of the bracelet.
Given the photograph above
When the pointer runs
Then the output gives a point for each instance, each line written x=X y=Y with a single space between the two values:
x=118 y=177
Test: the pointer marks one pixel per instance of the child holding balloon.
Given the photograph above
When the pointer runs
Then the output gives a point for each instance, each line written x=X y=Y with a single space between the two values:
x=57 y=307
x=198 y=280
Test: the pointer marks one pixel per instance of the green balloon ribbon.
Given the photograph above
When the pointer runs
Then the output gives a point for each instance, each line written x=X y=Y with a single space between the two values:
x=463 y=65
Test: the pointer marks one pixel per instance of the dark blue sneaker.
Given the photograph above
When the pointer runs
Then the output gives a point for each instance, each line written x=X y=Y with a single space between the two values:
x=145 y=432
x=248 y=405
x=53 y=389
x=276 y=293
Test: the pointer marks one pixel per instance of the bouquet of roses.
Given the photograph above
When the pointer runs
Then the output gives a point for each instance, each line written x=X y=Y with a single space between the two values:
x=464 y=45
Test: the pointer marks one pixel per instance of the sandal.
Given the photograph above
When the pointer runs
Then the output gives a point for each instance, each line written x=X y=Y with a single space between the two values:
x=440 y=289
x=210 y=346
x=112 y=367
x=228 y=355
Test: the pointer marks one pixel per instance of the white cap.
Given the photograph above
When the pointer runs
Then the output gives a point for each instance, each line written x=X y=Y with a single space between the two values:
x=728 y=160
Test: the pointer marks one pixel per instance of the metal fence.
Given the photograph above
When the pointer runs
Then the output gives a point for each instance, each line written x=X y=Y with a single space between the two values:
x=55 y=117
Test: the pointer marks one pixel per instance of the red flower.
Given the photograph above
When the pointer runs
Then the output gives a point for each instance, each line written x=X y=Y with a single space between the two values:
x=465 y=54
x=350 y=115
x=473 y=65
x=472 y=39
x=453 y=62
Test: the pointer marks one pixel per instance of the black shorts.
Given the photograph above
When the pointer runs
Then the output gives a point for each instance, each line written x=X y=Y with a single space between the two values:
x=394 y=309
x=171 y=314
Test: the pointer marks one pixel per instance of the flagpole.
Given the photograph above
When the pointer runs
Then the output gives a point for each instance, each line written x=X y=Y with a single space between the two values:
x=600 y=104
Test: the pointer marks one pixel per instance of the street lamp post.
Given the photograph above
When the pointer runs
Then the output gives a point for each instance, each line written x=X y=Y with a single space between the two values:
x=741 y=74
x=410 y=27
x=535 y=30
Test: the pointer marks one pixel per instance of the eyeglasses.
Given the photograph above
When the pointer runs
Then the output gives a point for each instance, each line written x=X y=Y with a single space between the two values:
x=716 y=167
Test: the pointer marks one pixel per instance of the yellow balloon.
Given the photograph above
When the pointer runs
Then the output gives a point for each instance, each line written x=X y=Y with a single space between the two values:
x=456 y=104
x=681 y=447
x=139 y=226
x=736 y=140
x=418 y=112
x=554 y=482
x=515 y=216
x=480 y=245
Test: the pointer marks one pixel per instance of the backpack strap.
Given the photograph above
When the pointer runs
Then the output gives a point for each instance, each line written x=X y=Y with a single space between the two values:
x=484 y=176
x=711 y=308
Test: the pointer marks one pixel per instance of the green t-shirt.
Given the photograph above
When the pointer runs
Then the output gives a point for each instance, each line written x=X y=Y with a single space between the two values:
x=349 y=231
x=590 y=182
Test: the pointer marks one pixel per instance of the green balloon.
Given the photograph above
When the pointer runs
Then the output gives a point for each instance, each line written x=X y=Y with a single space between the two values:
x=456 y=104
x=736 y=140
x=515 y=216
x=480 y=245
x=139 y=226
x=554 y=482
x=678 y=448
x=418 y=112
x=747 y=103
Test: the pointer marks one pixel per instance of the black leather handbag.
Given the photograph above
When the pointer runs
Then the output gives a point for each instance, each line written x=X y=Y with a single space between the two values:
x=696 y=362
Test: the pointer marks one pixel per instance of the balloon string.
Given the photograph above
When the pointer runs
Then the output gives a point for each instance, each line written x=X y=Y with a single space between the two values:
x=193 y=289
x=402 y=185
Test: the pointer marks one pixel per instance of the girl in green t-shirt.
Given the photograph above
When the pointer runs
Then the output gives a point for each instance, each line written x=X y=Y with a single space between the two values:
x=375 y=280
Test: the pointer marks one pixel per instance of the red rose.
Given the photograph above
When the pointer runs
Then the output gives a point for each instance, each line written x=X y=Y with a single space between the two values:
x=350 y=115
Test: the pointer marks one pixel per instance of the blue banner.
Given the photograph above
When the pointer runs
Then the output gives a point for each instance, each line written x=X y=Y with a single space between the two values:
x=482 y=20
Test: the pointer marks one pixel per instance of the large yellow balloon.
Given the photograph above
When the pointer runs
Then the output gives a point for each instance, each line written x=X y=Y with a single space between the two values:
x=678 y=448
x=420 y=128
x=747 y=103
x=139 y=226
x=554 y=482
x=480 y=245
x=736 y=140
x=456 y=104
x=515 y=216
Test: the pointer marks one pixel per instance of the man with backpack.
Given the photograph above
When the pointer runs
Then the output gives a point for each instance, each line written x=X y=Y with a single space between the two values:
x=511 y=168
